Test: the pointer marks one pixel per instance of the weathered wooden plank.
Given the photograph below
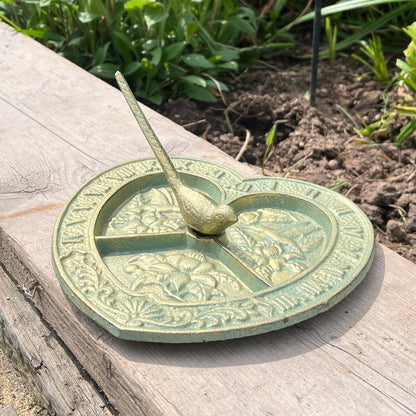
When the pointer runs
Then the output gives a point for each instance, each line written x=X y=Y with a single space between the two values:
x=51 y=110
x=340 y=357
x=357 y=359
x=7 y=411
x=42 y=360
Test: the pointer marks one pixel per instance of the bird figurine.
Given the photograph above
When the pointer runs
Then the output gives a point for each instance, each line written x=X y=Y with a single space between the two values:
x=200 y=212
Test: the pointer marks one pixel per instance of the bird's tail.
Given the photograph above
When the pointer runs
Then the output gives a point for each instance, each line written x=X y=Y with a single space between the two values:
x=171 y=173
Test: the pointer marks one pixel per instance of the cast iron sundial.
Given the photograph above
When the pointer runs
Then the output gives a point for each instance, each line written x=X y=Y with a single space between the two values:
x=205 y=255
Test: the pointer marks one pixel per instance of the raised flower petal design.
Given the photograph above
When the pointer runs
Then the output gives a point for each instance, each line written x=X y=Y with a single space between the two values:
x=187 y=275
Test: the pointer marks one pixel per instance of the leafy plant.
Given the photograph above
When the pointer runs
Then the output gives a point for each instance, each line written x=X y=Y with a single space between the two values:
x=408 y=74
x=407 y=87
x=170 y=48
x=379 y=127
x=165 y=47
x=169 y=45
x=376 y=61
x=408 y=78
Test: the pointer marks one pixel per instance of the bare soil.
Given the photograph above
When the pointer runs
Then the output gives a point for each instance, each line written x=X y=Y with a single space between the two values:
x=320 y=143
x=14 y=391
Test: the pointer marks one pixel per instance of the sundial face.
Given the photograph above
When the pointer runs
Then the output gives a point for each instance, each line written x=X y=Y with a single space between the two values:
x=124 y=255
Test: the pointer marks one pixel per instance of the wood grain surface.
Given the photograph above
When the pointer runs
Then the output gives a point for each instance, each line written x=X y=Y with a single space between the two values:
x=59 y=126
x=7 y=411
x=42 y=360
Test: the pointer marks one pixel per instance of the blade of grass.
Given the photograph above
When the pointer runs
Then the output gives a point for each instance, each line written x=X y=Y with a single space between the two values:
x=331 y=36
x=373 y=49
x=365 y=31
x=348 y=5
x=269 y=144
x=406 y=131
x=337 y=185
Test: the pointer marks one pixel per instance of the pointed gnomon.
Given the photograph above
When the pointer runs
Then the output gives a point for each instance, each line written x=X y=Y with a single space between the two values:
x=199 y=212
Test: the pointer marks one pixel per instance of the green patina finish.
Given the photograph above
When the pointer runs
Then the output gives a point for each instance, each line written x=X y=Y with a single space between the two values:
x=198 y=210
x=188 y=251
x=126 y=257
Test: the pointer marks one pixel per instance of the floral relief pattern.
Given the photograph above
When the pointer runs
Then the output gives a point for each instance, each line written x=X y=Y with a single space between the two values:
x=275 y=244
x=151 y=211
x=181 y=276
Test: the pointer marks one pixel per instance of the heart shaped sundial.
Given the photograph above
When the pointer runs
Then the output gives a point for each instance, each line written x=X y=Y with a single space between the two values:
x=125 y=255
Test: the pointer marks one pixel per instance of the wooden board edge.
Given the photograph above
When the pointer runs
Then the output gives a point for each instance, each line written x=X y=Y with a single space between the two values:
x=7 y=411
x=131 y=399
x=36 y=351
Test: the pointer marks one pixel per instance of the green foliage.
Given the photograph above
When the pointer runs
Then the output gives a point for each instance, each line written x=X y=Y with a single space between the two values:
x=331 y=36
x=408 y=77
x=407 y=87
x=346 y=5
x=165 y=47
x=408 y=67
x=269 y=144
x=337 y=185
x=373 y=50
x=379 y=127
x=171 y=48
x=357 y=19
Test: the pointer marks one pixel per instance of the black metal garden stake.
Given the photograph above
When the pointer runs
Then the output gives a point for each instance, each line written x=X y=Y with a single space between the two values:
x=315 y=50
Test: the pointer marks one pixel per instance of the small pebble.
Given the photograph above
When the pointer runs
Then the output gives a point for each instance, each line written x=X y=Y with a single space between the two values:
x=395 y=231
x=333 y=164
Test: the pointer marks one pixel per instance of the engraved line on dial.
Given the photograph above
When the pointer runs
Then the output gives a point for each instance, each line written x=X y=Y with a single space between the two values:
x=139 y=242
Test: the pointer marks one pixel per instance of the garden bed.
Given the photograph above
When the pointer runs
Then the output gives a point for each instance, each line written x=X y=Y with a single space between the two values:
x=317 y=143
